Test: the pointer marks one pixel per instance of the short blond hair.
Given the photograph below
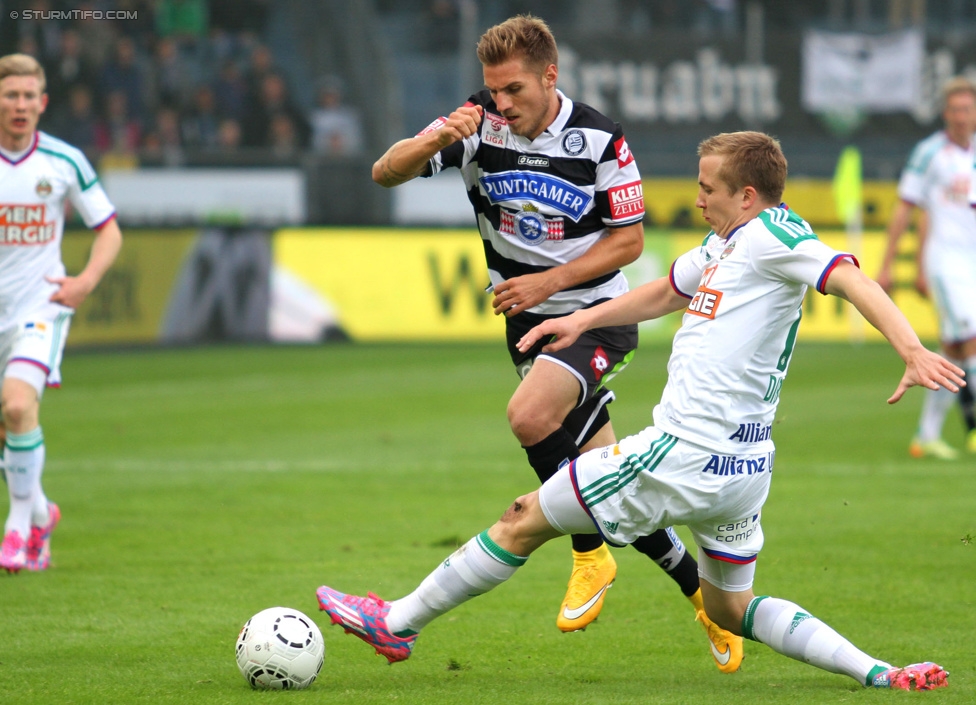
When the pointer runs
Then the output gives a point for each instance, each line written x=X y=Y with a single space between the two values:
x=751 y=159
x=521 y=37
x=956 y=85
x=22 y=65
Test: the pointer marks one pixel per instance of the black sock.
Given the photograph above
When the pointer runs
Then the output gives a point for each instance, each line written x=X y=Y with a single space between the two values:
x=546 y=457
x=679 y=564
x=966 y=404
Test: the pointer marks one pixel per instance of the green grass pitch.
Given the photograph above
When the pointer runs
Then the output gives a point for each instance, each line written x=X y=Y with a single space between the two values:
x=199 y=486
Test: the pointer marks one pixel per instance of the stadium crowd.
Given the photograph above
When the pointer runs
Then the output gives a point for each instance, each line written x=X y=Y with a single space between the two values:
x=178 y=77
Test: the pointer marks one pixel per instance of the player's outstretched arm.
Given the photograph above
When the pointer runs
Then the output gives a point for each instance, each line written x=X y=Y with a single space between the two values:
x=922 y=366
x=74 y=290
x=407 y=159
x=648 y=301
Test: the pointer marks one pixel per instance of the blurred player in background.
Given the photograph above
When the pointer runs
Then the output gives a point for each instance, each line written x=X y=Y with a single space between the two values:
x=937 y=180
x=558 y=200
x=37 y=299
x=707 y=460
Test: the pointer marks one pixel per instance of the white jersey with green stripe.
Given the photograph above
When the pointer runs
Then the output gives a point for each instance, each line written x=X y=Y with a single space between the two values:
x=33 y=190
x=733 y=349
x=938 y=178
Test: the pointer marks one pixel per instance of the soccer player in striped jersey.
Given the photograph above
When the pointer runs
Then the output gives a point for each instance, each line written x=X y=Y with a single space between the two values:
x=559 y=206
x=707 y=460
x=937 y=179
x=38 y=173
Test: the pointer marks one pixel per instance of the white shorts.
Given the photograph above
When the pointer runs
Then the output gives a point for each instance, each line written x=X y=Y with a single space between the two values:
x=653 y=480
x=32 y=350
x=953 y=288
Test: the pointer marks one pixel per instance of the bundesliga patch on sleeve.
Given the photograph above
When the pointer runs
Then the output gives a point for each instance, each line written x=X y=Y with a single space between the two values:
x=626 y=201
x=624 y=155
x=432 y=127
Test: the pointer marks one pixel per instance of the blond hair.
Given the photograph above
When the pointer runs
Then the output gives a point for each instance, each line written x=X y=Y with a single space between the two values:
x=521 y=37
x=22 y=65
x=954 y=86
x=750 y=159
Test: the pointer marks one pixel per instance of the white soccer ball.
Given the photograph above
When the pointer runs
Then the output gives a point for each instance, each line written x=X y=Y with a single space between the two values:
x=280 y=649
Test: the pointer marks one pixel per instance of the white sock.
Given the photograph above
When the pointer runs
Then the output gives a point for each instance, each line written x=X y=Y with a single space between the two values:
x=40 y=514
x=935 y=406
x=788 y=629
x=472 y=570
x=23 y=462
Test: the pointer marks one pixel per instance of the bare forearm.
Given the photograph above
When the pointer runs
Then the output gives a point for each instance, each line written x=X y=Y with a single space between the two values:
x=848 y=282
x=645 y=303
x=623 y=246
x=405 y=160
x=105 y=249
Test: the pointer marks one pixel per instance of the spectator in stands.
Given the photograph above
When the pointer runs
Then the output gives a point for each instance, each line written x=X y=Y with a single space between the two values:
x=261 y=64
x=117 y=131
x=126 y=73
x=283 y=136
x=229 y=135
x=173 y=76
x=98 y=38
x=201 y=124
x=163 y=141
x=230 y=90
x=78 y=126
x=69 y=68
x=336 y=127
x=272 y=100
x=45 y=35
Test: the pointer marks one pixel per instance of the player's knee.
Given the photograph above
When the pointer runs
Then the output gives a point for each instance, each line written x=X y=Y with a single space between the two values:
x=530 y=425
x=17 y=410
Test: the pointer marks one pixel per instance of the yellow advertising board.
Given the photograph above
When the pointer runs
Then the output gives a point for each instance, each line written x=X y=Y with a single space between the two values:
x=390 y=284
x=429 y=284
x=129 y=304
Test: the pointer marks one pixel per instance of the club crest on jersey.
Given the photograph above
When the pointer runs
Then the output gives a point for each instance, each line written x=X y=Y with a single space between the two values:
x=730 y=248
x=43 y=188
x=574 y=142
x=558 y=194
x=530 y=226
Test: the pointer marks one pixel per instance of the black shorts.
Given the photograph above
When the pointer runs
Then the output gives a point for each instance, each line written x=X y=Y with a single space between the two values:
x=594 y=359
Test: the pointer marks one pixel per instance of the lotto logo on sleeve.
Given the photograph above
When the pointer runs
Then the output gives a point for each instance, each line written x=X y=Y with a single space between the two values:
x=624 y=155
x=24 y=225
x=433 y=127
x=626 y=201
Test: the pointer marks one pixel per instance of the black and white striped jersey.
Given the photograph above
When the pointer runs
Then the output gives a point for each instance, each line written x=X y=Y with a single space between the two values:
x=544 y=202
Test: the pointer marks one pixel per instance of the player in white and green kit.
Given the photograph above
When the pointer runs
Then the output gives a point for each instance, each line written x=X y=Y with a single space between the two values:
x=707 y=461
x=937 y=179
x=37 y=299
